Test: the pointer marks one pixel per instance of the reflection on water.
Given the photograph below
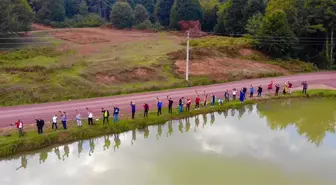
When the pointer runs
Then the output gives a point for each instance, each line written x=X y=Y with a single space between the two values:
x=288 y=142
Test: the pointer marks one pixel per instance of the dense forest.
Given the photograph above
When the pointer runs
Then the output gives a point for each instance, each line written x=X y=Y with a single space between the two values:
x=301 y=29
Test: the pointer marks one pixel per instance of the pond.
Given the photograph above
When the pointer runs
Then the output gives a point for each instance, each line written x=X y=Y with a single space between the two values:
x=275 y=142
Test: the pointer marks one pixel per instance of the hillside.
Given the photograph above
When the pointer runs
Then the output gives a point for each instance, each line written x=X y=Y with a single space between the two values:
x=92 y=62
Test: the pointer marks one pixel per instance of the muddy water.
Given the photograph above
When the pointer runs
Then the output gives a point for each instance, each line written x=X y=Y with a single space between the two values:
x=287 y=142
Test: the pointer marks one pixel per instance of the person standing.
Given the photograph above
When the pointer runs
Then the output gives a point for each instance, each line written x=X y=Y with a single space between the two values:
x=116 y=114
x=286 y=88
x=205 y=99
x=244 y=90
x=213 y=99
x=277 y=88
x=188 y=104
x=19 y=126
x=290 y=87
x=39 y=125
x=234 y=93
x=106 y=115
x=54 y=122
x=170 y=105
x=242 y=96
x=133 y=109
x=181 y=105
x=251 y=91
x=227 y=96
x=146 y=109
x=90 y=117
x=304 y=87
x=64 y=119
x=270 y=87
x=260 y=91
x=159 y=107
x=78 y=119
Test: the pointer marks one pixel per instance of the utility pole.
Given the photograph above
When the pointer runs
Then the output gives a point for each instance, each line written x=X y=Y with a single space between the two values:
x=187 y=61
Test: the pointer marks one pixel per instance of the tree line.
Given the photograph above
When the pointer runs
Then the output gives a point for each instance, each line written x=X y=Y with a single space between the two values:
x=302 y=29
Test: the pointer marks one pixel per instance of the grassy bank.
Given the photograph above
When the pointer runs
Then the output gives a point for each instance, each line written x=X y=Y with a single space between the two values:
x=11 y=144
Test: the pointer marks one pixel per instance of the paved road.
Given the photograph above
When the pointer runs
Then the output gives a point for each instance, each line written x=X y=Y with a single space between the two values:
x=28 y=113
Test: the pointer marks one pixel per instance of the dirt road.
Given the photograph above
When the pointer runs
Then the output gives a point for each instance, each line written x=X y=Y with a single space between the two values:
x=28 y=113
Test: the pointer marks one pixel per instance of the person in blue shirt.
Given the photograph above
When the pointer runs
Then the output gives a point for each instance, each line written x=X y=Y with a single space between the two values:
x=64 y=119
x=251 y=91
x=133 y=109
x=159 y=107
x=241 y=96
x=115 y=114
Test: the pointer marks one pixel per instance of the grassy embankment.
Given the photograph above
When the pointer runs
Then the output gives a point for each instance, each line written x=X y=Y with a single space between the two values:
x=11 y=144
x=37 y=75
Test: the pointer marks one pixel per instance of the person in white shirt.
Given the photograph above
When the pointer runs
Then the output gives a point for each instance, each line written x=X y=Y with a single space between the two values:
x=90 y=117
x=78 y=119
x=234 y=92
x=54 y=122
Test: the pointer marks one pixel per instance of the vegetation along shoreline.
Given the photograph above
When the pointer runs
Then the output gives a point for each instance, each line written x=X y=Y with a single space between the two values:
x=10 y=144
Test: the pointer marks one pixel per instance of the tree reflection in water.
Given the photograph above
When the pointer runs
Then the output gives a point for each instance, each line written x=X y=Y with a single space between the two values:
x=312 y=118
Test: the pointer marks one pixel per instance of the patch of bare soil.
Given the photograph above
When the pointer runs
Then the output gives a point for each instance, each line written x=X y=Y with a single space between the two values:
x=137 y=74
x=226 y=68
x=91 y=40
x=79 y=36
x=40 y=27
x=246 y=52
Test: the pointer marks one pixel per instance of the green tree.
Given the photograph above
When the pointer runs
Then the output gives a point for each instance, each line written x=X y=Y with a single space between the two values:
x=83 y=8
x=15 y=16
x=254 y=24
x=185 y=10
x=231 y=19
x=162 y=11
x=140 y=14
x=323 y=18
x=148 y=4
x=122 y=15
x=253 y=7
x=275 y=36
x=71 y=7
x=51 y=10
x=210 y=9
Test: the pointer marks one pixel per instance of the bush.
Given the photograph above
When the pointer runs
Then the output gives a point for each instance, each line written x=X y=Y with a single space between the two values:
x=80 y=21
x=140 y=14
x=122 y=15
x=145 y=25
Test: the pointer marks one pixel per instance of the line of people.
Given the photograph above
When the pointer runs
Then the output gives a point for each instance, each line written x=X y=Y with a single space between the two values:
x=182 y=104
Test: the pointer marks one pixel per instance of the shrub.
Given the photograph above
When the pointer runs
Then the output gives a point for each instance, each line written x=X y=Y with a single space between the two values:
x=122 y=15
x=140 y=14
x=145 y=25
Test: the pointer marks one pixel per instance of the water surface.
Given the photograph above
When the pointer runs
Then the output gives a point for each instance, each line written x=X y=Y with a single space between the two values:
x=277 y=142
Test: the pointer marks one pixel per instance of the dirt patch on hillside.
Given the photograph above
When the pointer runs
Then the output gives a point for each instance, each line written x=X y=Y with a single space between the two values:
x=87 y=41
x=137 y=74
x=79 y=36
x=40 y=27
x=227 y=68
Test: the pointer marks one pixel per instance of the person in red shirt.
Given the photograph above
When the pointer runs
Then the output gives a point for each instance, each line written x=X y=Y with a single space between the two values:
x=19 y=126
x=290 y=87
x=188 y=104
x=197 y=102
x=146 y=109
